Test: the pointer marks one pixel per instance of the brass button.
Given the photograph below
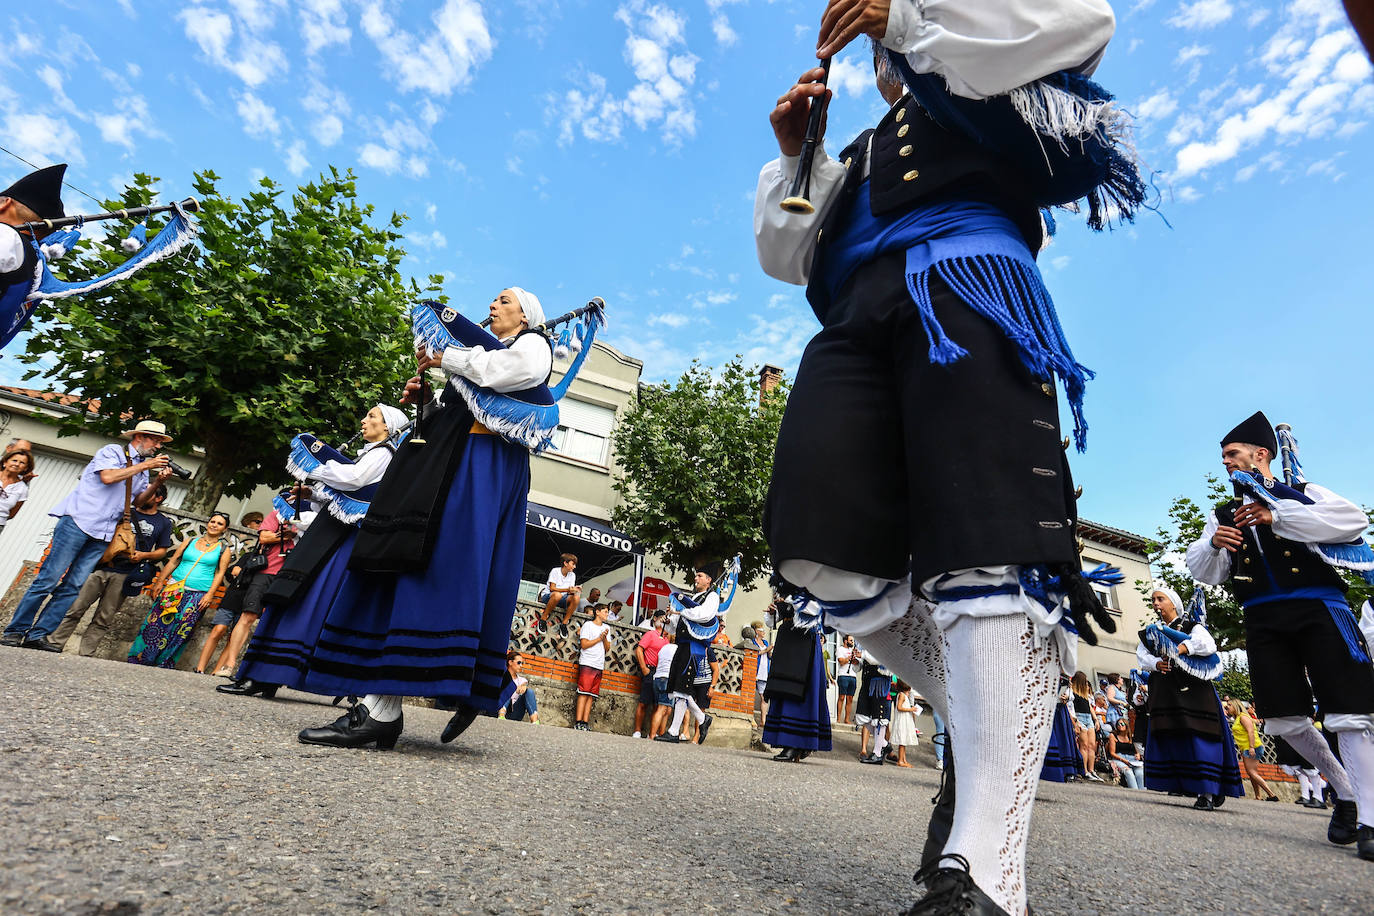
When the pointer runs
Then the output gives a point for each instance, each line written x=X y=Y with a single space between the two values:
x=1047 y=389
x=901 y=131
x=1078 y=492
x=1081 y=546
x=848 y=162
x=1288 y=553
x=901 y=113
x=1295 y=569
x=906 y=150
x=1247 y=559
x=1065 y=444
x=911 y=175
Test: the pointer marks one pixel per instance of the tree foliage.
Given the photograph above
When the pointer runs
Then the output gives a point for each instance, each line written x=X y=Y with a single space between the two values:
x=287 y=316
x=1166 y=554
x=1235 y=681
x=695 y=459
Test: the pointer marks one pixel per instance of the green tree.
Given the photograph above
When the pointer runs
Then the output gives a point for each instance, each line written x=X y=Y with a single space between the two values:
x=286 y=316
x=695 y=459
x=1235 y=681
x=1166 y=554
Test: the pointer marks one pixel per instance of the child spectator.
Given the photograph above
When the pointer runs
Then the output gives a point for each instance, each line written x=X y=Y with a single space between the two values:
x=904 y=730
x=595 y=639
x=562 y=591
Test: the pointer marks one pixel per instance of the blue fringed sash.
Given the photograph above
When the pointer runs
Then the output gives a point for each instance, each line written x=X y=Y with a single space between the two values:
x=1356 y=556
x=306 y=455
x=978 y=253
x=178 y=232
x=1336 y=605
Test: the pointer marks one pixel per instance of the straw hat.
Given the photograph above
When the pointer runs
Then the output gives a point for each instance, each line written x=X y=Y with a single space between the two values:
x=148 y=428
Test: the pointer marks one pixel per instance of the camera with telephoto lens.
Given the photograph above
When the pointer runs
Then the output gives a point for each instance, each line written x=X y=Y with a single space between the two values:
x=172 y=466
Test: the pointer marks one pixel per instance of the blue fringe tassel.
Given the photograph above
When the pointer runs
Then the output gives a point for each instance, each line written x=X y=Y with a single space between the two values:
x=1350 y=630
x=1011 y=294
x=178 y=232
x=530 y=425
x=285 y=511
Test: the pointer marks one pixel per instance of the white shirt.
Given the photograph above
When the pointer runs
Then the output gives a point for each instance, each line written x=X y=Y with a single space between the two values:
x=1199 y=643
x=367 y=470
x=559 y=579
x=594 y=657
x=665 y=660
x=11 y=496
x=524 y=363
x=705 y=612
x=846 y=662
x=762 y=674
x=11 y=249
x=1331 y=519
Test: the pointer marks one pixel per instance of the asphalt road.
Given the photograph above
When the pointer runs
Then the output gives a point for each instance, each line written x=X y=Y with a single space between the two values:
x=129 y=790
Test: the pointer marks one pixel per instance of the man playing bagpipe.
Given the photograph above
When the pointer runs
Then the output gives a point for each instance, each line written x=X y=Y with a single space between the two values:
x=1281 y=545
x=920 y=451
x=1188 y=750
x=699 y=617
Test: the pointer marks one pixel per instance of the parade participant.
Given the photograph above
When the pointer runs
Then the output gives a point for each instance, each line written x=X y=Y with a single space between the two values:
x=1295 y=765
x=925 y=406
x=874 y=710
x=1273 y=543
x=425 y=608
x=1187 y=750
x=1063 y=759
x=798 y=719
x=304 y=583
x=36 y=196
x=699 y=618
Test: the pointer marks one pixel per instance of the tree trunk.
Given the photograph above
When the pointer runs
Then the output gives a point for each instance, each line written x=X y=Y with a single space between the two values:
x=209 y=483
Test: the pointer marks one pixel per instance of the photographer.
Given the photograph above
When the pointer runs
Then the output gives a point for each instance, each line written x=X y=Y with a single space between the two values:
x=86 y=523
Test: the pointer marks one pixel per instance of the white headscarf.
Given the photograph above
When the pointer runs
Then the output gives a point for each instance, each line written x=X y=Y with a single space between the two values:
x=529 y=305
x=1171 y=595
x=395 y=418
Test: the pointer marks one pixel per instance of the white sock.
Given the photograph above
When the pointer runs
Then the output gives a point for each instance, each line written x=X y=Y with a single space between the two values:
x=679 y=713
x=913 y=647
x=880 y=741
x=1314 y=749
x=1357 y=750
x=1304 y=783
x=1002 y=681
x=383 y=708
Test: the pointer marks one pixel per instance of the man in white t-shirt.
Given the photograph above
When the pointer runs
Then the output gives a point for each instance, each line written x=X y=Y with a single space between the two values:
x=594 y=640
x=562 y=591
x=846 y=679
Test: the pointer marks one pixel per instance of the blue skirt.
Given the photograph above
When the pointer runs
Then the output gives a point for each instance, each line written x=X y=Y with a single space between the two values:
x=280 y=650
x=444 y=630
x=1062 y=758
x=1193 y=763
x=804 y=723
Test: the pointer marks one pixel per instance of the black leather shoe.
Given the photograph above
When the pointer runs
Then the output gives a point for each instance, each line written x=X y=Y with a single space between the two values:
x=248 y=688
x=1218 y=800
x=1344 y=827
x=356 y=728
x=667 y=738
x=874 y=759
x=12 y=639
x=703 y=729
x=1314 y=802
x=1204 y=803
x=458 y=723
x=786 y=754
x=41 y=644
x=951 y=891
x=1365 y=849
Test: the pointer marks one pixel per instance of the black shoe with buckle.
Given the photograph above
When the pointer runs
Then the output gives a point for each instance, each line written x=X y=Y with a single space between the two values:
x=786 y=754
x=459 y=723
x=356 y=728
x=1204 y=803
x=951 y=891
x=703 y=729
x=1344 y=827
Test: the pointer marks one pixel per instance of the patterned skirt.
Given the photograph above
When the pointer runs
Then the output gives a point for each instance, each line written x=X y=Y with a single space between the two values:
x=1062 y=758
x=442 y=631
x=804 y=723
x=170 y=622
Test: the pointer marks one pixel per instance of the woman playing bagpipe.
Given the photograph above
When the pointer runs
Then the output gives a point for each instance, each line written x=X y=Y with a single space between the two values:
x=304 y=587
x=426 y=604
x=699 y=618
x=1187 y=750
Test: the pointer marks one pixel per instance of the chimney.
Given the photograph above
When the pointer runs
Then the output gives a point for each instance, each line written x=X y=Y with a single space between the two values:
x=769 y=378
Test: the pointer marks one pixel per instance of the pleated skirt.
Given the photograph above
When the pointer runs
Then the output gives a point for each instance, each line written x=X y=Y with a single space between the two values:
x=1062 y=758
x=442 y=631
x=1193 y=763
x=804 y=723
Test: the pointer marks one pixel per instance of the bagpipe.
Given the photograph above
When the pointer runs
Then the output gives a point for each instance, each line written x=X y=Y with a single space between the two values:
x=724 y=587
x=309 y=452
x=1163 y=640
x=62 y=236
x=1355 y=555
x=527 y=417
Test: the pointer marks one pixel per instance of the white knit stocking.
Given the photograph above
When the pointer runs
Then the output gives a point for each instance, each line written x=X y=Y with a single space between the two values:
x=1305 y=783
x=1310 y=743
x=1001 y=691
x=383 y=708
x=913 y=647
x=1357 y=750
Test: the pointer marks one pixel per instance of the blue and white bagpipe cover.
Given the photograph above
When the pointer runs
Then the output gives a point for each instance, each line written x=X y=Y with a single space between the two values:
x=1355 y=555
x=725 y=590
x=527 y=417
x=306 y=456
x=1163 y=641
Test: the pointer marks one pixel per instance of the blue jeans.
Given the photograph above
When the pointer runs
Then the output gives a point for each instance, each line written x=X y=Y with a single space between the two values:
x=939 y=745
x=522 y=705
x=71 y=559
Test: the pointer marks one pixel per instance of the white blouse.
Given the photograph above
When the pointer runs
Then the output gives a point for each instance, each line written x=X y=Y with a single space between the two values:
x=367 y=470
x=523 y=364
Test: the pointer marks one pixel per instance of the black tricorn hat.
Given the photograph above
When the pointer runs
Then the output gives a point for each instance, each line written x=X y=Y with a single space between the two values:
x=40 y=191
x=1255 y=430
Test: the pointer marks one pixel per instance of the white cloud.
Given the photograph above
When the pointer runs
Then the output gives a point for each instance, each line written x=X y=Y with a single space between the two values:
x=431 y=211
x=439 y=62
x=255 y=14
x=323 y=23
x=327 y=130
x=429 y=240
x=855 y=79
x=671 y=319
x=1060 y=262
x=1202 y=14
x=41 y=138
x=513 y=165
x=720 y=27
x=379 y=157
x=1256 y=17
x=296 y=163
x=259 y=118
x=1191 y=53
x=130 y=117
x=212 y=30
x=1187 y=194
x=1159 y=105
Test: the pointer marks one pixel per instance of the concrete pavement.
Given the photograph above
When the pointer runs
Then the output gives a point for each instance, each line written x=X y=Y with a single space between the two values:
x=129 y=790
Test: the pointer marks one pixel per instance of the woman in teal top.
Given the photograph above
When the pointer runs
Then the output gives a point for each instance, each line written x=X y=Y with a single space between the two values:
x=183 y=590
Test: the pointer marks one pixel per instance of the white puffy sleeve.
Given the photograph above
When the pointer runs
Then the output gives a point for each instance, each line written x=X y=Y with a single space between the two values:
x=1331 y=519
x=523 y=364
x=11 y=249
x=705 y=612
x=786 y=242
x=1144 y=659
x=367 y=470
x=1200 y=642
x=985 y=48
x=1206 y=563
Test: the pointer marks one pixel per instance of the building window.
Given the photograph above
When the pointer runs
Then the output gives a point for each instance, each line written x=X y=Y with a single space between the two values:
x=1105 y=593
x=584 y=431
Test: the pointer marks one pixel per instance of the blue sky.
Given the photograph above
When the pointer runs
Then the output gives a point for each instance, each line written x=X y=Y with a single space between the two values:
x=611 y=148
